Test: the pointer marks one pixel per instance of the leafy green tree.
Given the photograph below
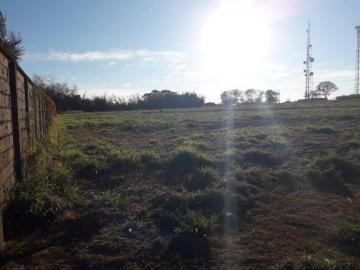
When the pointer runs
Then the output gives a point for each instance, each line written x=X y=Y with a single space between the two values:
x=326 y=88
x=272 y=96
x=232 y=97
x=250 y=95
x=10 y=42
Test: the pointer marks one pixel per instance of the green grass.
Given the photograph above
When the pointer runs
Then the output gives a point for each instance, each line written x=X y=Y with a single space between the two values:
x=321 y=259
x=197 y=224
x=346 y=234
x=256 y=156
x=332 y=171
x=109 y=199
x=202 y=178
x=186 y=184
x=187 y=159
x=322 y=130
x=109 y=241
x=48 y=186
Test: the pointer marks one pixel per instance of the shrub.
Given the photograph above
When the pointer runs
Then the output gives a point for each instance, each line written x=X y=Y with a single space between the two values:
x=187 y=159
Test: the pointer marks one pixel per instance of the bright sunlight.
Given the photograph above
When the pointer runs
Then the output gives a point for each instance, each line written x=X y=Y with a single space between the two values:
x=234 y=40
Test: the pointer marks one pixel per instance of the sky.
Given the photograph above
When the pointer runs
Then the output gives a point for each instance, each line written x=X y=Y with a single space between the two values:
x=128 y=47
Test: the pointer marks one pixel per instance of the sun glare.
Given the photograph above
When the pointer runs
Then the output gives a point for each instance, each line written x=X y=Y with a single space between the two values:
x=234 y=40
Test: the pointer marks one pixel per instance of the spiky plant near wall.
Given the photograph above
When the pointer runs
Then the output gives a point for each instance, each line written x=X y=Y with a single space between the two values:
x=10 y=42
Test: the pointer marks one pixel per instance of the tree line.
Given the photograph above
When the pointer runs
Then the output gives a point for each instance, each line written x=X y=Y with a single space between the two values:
x=67 y=98
x=250 y=96
x=323 y=90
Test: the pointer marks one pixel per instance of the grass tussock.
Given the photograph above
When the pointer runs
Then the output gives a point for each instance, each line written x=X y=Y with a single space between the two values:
x=109 y=241
x=346 y=234
x=98 y=162
x=331 y=172
x=47 y=188
x=202 y=178
x=322 y=259
x=109 y=199
x=321 y=130
x=197 y=224
x=261 y=157
x=187 y=159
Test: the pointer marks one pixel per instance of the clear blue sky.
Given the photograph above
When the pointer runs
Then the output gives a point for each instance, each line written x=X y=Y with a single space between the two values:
x=126 y=47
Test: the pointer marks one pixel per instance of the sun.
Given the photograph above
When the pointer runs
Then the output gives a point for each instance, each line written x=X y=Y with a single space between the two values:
x=234 y=40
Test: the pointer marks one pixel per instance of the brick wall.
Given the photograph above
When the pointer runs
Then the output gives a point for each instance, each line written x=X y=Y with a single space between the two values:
x=24 y=118
x=6 y=132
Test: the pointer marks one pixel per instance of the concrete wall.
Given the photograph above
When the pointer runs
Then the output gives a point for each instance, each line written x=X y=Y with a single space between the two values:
x=24 y=118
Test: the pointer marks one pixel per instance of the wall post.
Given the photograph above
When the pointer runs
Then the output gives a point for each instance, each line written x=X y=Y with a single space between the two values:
x=2 y=240
x=15 y=120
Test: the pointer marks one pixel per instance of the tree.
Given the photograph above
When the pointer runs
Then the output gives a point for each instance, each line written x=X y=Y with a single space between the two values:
x=10 y=42
x=259 y=95
x=314 y=94
x=326 y=88
x=232 y=97
x=250 y=95
x=272 y=96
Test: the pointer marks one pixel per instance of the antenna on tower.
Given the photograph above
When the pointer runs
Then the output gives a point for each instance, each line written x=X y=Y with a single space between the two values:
x=357 y=71
x=308 y=63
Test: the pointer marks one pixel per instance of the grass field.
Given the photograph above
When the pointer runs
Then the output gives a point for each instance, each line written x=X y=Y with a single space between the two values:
x=250 y=187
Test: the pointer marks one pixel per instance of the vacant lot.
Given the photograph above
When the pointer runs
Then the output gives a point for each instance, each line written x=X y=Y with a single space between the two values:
x=251 y=187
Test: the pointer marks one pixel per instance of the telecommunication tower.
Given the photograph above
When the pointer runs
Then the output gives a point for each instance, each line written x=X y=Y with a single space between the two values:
x=357 y=71
x=309 y=74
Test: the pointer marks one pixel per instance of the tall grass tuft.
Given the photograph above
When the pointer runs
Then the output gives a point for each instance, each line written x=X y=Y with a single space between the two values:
x=187 y=159
x=197 y=224
x=47 y=187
